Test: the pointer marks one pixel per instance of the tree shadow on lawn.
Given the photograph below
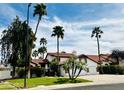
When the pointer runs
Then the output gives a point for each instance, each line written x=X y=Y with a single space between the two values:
x=66 y=80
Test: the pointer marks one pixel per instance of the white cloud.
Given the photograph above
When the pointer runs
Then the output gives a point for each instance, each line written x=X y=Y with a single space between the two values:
x=78 y=38
x=77 y=33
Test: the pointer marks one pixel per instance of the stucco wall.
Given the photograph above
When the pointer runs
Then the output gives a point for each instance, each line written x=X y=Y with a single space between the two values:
x=5 y=74
x=63 y=59
x=50 y=58
x=92 y=66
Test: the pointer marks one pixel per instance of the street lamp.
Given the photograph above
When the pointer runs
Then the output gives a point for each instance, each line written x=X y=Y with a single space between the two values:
x=27 y=52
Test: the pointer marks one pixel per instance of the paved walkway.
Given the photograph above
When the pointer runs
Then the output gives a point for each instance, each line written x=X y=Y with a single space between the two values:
x=97 y=80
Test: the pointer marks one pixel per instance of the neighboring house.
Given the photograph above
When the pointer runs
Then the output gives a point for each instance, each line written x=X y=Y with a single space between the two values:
x=5 y=72
x=43 y=63
x=91 y=61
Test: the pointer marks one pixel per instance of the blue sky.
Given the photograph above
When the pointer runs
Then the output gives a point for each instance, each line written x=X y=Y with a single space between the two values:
x=78 y=21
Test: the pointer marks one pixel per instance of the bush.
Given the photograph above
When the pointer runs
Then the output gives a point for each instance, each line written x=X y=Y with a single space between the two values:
x=20 y=72
x=113 y=69
x=35 y=72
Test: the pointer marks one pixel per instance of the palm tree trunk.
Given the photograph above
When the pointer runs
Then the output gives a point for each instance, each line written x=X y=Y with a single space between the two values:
x=37 y=26
x=43 y=55
x=43 y=52
x=99 y=55
x=58 y=53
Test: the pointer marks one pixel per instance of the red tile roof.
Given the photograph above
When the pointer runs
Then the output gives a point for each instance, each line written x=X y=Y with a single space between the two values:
x=63 y=55
x=95 y=58
x=39 y=61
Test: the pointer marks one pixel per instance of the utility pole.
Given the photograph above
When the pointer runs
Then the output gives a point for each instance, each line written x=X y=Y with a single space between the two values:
x=27 y=52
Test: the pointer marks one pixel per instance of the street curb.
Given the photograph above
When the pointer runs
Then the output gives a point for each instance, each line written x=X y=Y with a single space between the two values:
x=52 y=87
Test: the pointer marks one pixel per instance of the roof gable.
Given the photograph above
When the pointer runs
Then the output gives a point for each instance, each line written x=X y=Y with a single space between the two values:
x=95 y=58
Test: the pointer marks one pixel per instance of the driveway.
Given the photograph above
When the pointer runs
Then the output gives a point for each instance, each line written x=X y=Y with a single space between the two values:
x=105 y=79
x=97 y=80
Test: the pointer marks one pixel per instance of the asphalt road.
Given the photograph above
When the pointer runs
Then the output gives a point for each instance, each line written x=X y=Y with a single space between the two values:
x=97 y=87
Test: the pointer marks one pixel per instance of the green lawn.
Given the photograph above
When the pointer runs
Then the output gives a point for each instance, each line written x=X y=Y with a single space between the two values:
x=33 y=82
x=6 y=86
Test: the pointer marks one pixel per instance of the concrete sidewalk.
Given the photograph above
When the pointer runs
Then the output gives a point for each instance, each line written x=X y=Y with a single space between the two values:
x=97 y=80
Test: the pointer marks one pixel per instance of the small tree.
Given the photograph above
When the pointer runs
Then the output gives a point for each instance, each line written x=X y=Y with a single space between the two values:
x=54 y=67
x=13 y=45
x=72 y=66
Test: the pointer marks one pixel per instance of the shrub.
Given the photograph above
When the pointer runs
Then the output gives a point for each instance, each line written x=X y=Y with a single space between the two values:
x=106 y=69
x=112 y=69
x=121 y=70
x=20 y=72
x=35 y=72
x=3 y=69
x=54 y=68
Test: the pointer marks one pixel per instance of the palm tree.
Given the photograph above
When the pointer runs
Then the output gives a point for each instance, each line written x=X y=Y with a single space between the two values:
x=58 y=31
x=43 y=41
x=42 y=50
x=40 y=10
x=97 y=33
x=35 y=53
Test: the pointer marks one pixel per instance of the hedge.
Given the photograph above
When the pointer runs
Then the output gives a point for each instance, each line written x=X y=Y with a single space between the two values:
x=112 y=69
x=35 y=72
x=3 y=69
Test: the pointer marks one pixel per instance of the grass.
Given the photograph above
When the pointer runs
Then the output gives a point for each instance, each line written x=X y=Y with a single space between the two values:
x=33 y=82
x=6 y=87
